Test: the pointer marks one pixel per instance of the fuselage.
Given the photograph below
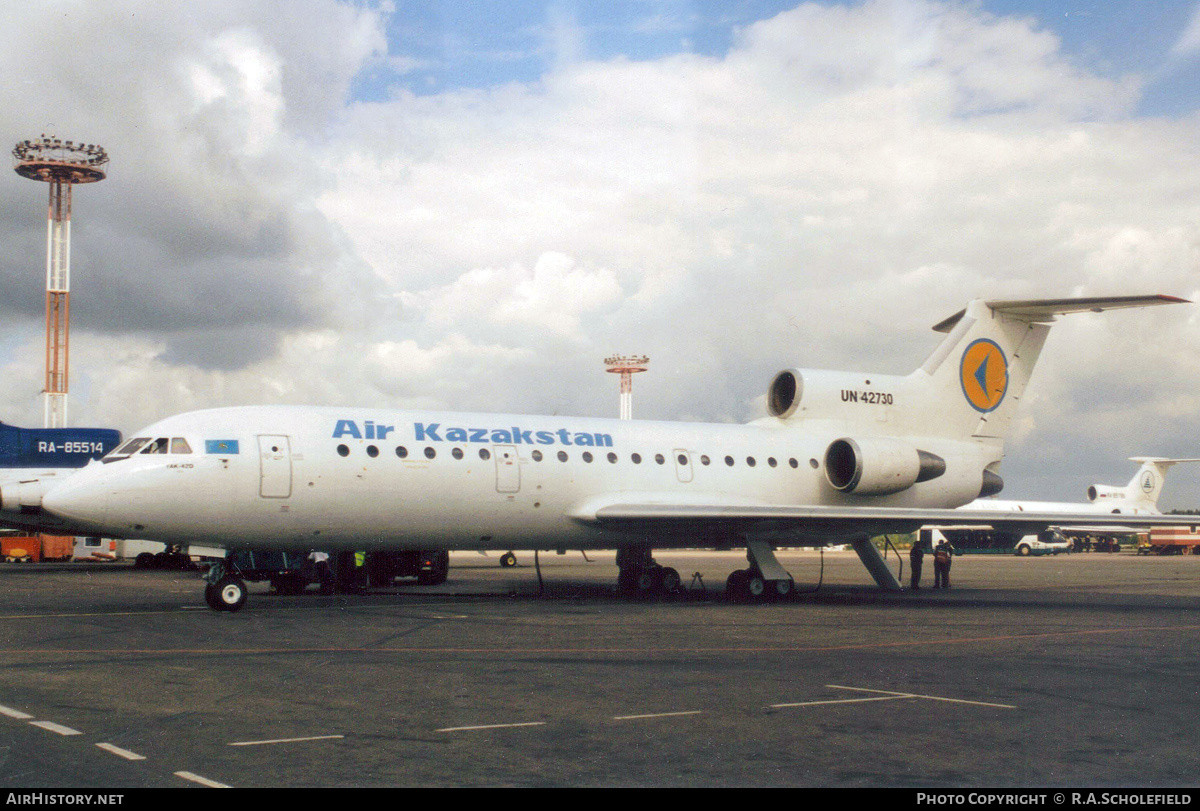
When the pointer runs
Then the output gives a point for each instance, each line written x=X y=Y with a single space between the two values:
x=316 y=477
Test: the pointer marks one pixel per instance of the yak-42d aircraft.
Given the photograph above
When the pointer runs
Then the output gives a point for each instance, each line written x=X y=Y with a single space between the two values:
x=842 y=457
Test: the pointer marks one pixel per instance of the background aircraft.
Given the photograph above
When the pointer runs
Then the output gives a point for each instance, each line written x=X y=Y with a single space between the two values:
x=31 y=459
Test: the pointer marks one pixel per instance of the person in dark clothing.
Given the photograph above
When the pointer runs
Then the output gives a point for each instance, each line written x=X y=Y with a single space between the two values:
x=943 y=556
x=916 y=558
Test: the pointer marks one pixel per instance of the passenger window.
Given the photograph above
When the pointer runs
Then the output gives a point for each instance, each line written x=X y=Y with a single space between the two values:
x=750 y=461
x=537 y=456
x=658 y=457
x=729 y=461
x=180 y=445
x=562 y=456
x=704 y=460
x=430 y=452
x=771 y=461
x=637 y=458
x=587 y=456
x=683 y=460
x=457 y=453
x=343 y=450
x=485 y=454
x=372 y=451
x=612 y=457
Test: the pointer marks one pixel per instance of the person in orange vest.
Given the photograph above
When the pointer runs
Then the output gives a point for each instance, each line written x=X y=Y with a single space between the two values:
x=943 y=557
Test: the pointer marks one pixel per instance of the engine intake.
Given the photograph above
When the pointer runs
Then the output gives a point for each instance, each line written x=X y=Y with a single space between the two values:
x=24 y=497
x=878 y=466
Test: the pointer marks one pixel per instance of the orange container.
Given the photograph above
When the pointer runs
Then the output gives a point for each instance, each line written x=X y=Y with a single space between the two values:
x=58 y=547
x=21 y=546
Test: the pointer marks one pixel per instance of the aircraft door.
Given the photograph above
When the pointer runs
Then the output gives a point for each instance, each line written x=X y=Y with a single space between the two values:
x=683 y=465
x=275 y=466
x=508 y=469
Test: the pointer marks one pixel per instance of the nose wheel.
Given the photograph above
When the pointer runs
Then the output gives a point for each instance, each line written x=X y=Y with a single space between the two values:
x=224 y=591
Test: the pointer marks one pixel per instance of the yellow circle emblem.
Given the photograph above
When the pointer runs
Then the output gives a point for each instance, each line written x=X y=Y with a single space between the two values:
x=984 y=375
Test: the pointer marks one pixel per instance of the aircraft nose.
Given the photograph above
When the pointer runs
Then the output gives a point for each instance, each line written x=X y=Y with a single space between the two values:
x=77 y=501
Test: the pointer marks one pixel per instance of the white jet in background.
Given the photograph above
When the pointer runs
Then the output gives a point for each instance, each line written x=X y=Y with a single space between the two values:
x=1139 y=497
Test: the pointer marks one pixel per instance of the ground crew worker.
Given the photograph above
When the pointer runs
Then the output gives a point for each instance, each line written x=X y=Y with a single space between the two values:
x=320 y=565
x=916 y=558
x=943 y=556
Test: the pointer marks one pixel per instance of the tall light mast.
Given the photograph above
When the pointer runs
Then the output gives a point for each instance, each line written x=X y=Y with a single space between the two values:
x=61 y=164
x=626 y=366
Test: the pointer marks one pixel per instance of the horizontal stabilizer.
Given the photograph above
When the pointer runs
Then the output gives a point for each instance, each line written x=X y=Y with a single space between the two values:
x=1046 y=309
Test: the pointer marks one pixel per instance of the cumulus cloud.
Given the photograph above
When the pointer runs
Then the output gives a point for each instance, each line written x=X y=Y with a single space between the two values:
x=840 y=180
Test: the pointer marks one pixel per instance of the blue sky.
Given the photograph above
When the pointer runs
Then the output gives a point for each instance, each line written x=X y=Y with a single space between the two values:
x=437 y=45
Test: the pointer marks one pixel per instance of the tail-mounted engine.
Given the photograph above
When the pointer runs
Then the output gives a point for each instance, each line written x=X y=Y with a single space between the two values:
x=877 y=466
x=1105 y=492
x=24 y=497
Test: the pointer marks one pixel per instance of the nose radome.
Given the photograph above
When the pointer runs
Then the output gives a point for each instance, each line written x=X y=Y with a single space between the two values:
x=76 y=500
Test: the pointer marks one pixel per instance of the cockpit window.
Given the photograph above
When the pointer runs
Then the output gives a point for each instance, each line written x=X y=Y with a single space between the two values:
x=131 y=446
x=157 y=446
x=180 y=445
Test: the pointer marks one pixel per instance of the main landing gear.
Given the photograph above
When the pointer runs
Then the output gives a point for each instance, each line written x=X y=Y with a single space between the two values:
x=639 y=574
x=764 y=580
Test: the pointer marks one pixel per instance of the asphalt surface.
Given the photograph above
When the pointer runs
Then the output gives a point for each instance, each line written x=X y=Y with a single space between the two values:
x=1076 y=670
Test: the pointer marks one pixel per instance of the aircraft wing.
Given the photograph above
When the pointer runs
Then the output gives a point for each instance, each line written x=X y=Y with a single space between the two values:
x=847 y=521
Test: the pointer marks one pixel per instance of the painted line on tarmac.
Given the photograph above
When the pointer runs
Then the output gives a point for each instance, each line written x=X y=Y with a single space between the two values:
x=204 y=781
x=927 y=698
x=837 y=701
x=11 y=713
x=492 y=726
x=53 y=727
x=119 y=752
x=287 y=740
x=655 y=715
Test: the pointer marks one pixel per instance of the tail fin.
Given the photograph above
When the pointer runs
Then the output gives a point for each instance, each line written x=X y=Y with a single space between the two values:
x=1146 y=486
x=978 y=374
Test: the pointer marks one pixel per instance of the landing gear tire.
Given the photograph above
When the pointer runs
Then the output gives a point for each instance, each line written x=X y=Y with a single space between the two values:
x=748 y=586
x=735 y=585
x=227 y=594
x=755 y=587
x=649 y=580
x=508 y=560
x=670 y=581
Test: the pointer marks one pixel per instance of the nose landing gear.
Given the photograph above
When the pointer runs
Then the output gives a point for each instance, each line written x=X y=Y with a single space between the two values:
x=224 y=590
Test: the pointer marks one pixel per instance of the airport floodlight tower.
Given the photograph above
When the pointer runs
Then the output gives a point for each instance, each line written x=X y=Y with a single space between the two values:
x=62 y=164
x=626 y=366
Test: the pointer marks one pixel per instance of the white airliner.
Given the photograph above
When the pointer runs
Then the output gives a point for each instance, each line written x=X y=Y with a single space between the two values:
x=842 y=457
x=1139 y=497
